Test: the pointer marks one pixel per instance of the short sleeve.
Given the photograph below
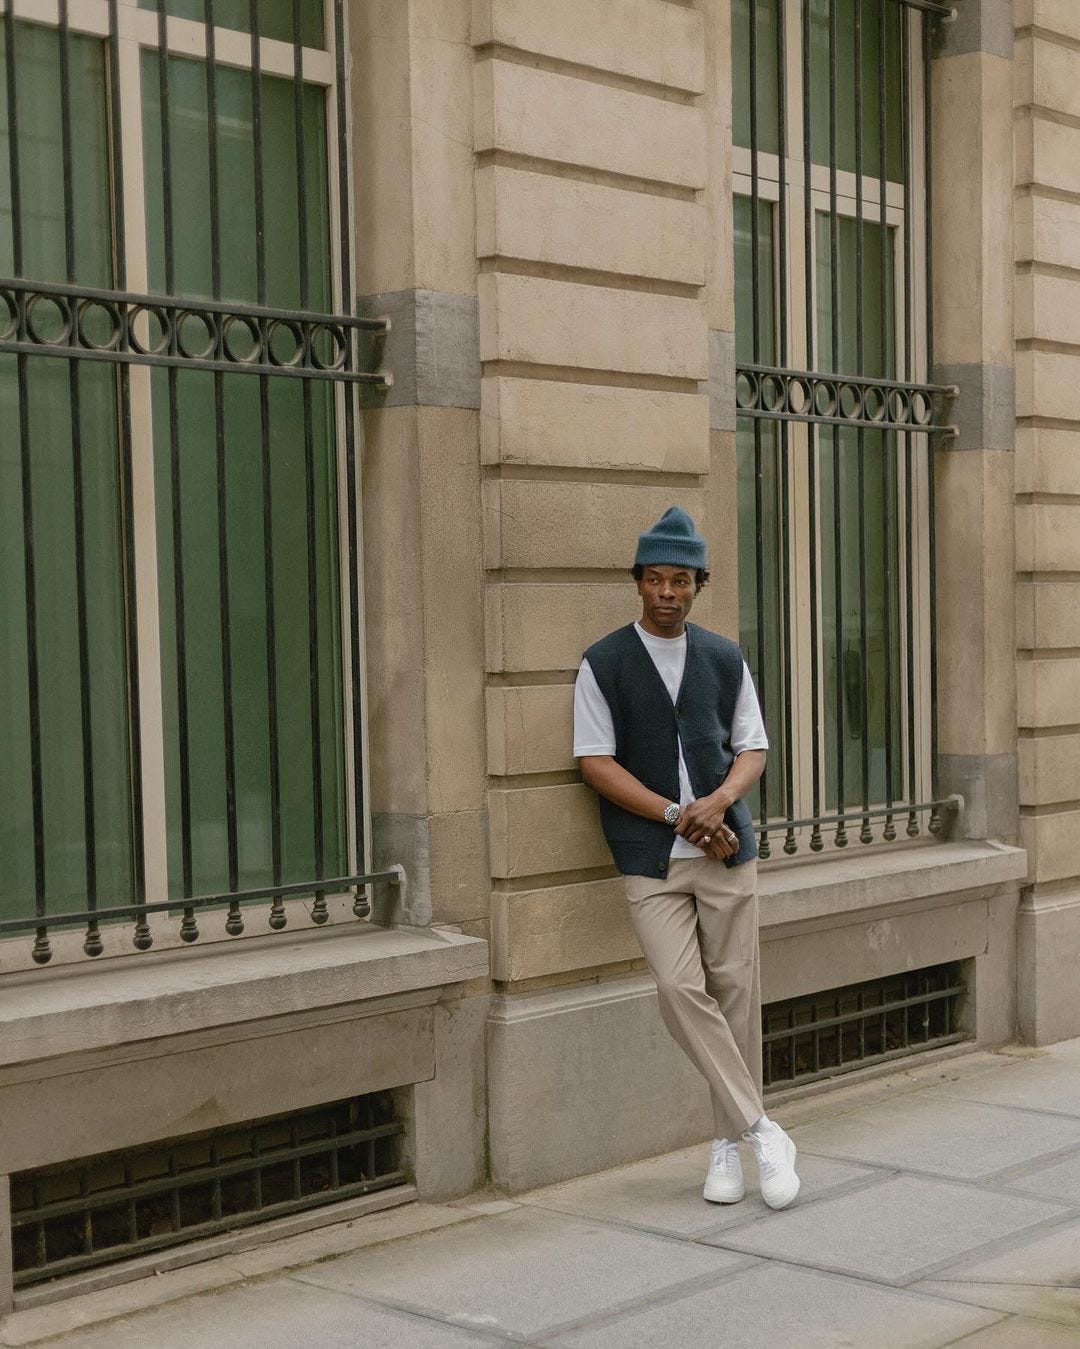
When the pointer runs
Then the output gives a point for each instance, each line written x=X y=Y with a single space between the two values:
x=594 y=730
x=747 y=726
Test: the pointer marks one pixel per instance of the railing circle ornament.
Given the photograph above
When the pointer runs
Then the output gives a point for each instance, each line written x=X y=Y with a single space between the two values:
x=196 y=326
x=9 y=315
x=874 y=403
x=144 y=318
x=100 y=327
x=328 y=346
x=242 y=339
x=899 y=406
x=285 y=342
x=825 y=402
x=921 y=408
x=799 y=397
x=850 y=402
x=746 y=390
x=49 y=320
x=773 y=395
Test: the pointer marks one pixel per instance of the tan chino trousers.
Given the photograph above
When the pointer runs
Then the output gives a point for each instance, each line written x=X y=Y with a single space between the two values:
x=698 y=929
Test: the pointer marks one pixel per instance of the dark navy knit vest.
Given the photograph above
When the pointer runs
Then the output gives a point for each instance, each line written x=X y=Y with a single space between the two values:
x=648 y=728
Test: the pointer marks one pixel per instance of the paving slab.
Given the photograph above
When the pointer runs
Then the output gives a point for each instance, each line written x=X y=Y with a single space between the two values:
x=893 y=1231
x=663 y=1194
x=276 y=1314
x=1055 y=1306
x=1047 y=1083
x=1045 y=1258
x=1021 y=1332
x=1059 y=1180
x=522 y=1273
x=968 y=1140
x=776 y=1305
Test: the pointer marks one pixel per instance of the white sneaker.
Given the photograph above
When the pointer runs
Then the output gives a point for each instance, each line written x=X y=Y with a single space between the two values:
x=724 y=1183
x=776 y=1164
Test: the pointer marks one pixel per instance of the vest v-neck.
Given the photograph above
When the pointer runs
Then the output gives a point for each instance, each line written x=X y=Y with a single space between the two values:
x=687 y=629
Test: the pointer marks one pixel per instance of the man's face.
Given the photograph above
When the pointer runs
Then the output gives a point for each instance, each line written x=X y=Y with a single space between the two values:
x=666 y=596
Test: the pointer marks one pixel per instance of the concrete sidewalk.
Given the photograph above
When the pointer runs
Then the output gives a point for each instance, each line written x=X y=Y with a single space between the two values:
x=940 y=1205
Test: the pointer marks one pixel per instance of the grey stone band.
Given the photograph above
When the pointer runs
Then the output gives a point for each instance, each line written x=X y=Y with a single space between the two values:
x=980 y=26
x=985 y=410
x=989 y=785
x=721 y=382
x=432 y=349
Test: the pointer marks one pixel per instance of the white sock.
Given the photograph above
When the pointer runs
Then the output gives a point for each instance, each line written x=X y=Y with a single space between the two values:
x=762 y=1126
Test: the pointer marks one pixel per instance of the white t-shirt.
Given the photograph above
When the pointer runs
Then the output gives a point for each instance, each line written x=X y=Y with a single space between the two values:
x=594 y=730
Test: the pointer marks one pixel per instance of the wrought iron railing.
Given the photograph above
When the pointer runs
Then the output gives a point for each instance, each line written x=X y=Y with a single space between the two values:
x=837 y=413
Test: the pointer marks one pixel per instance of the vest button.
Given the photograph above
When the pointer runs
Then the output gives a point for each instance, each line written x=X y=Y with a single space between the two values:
x=663 y=866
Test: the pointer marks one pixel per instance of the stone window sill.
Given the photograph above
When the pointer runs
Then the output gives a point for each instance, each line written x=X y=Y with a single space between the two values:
x=74 y=1009
x=793 y=891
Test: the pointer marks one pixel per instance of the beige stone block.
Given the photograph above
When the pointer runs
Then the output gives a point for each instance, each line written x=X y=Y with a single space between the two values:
x=1047 y=537
x=548 y=627
x=1049 y=768
x=562 y=323
x=558 y=928
x=453 y=614
x=573 y=121
x=645 y=39
x=1048 y=957
x=563 y=524
x=1056 y=16
x=530 y=729
x=459 y=866
x=549 y=423
x=1053 y=845
x=1048 y=692
x=973 y=248
x=976 y=602
x=1048 y=230
x=539 y=830
x=1048 y=614
x=720 y=526
x=1048 y=308
x=1047 y=153
x=394 y=633
x=1047 y=385
x=569 y=223
x=1047 y=75
x=1047 y=460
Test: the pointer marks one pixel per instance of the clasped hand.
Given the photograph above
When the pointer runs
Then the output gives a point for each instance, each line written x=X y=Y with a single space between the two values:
x=702 y=823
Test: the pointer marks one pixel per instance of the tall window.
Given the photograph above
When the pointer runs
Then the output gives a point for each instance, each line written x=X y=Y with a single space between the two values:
x=835 y=411
x=179 y=605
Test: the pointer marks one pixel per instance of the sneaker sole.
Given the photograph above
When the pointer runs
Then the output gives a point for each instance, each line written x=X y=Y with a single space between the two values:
x=725 y=1197
x=785 y=1198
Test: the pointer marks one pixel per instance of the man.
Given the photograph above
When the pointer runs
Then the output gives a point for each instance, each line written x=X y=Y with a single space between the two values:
x=669 y=734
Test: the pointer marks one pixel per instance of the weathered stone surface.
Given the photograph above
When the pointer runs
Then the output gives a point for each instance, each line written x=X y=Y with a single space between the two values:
x=1048 y=692
x=562 y=323
x=1053 y=844
x=1048 y=958
x=1048 y=537
x=986 y=27
x=1046 y=307
x=646 y=39
x=574 y=121
x=1057 y=16
x=984 y=412
x=1048 y=460
x=562 y=221
x=573 y=524
x=599 y=426
x=557 y=928
x=535 y=830
x=548 y=627
x=1046 y=153
x=1047 y=614
x=987 y=782
x=530 y=729
x=1049 y=769
x=432 y=349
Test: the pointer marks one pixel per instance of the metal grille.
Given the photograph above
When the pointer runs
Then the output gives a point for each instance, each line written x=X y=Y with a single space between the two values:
x=837 y=412
x=261 y=305
x=834 y=1032
x=107 y=1208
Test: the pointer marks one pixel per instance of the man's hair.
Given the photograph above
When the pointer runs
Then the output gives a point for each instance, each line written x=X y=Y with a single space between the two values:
x=701 y=575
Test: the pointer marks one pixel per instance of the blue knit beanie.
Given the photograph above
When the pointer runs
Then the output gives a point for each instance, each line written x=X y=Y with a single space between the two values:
x=672 y=542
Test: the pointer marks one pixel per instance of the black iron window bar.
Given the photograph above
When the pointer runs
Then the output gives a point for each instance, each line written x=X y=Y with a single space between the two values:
x=782 y=394
x=109 y=1208
x=839 y=1030
x=63 y=319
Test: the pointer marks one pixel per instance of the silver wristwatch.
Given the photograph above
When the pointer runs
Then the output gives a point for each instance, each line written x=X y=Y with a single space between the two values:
x=672 y=813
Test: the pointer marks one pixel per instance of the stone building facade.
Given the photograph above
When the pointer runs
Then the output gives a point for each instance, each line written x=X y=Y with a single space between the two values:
x=543 y=207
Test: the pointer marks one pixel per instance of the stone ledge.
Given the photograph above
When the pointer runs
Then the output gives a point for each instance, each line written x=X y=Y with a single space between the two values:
x=44 y=1014
x=795 y=891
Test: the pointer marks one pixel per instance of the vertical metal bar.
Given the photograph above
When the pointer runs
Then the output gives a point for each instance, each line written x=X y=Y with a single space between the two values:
x=779 y=302
x=934 y=823
x=215 y=1193
x=816 y=1036
x=87 y=1219
x=142 y=939
x=234 y=923
x=759 y=465
x=175 y=470
x=361 y=905
x=92 y=943
x=886 y=308
x=909 y=520
x=174 y=1192
x=865 y=832
x=335 y=1169
x=42 y=950
x=277 y=918
x=257 y=1172
x=838 y=532
x=298 y=1184
x=319 y=912
x=132 y=1212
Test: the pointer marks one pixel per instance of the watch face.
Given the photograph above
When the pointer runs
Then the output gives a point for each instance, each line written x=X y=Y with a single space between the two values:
x=672 y=814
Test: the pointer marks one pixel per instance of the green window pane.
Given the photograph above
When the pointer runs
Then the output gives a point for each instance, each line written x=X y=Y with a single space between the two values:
x=881 y=81
x=189 y=524
x=766 y=85
x=52 y=420
x=840 y=494
x=275 y=16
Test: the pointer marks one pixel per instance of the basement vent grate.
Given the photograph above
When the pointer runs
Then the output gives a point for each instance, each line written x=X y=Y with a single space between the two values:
x=102 y=1209
x=819 y=1036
